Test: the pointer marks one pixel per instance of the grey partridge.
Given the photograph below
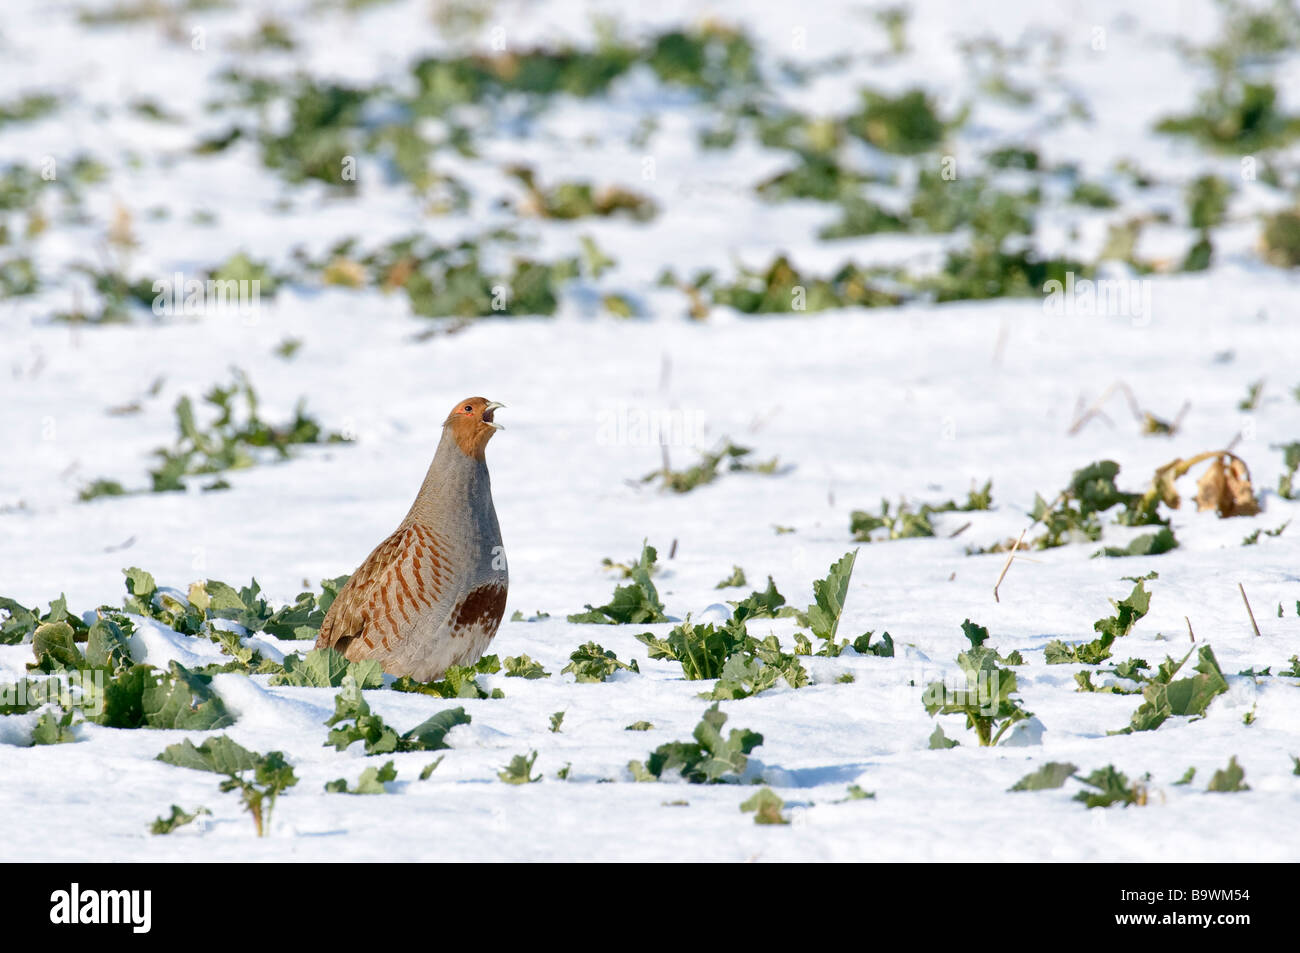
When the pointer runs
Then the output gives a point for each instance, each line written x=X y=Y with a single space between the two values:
x=433 y=593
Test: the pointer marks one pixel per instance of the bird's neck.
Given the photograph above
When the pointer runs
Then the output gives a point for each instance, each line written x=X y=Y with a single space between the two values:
x=455 y=483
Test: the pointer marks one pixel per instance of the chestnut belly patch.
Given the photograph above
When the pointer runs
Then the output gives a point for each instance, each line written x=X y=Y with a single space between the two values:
x=482 y=608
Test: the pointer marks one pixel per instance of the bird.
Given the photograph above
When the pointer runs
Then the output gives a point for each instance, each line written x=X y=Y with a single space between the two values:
x=432 y=594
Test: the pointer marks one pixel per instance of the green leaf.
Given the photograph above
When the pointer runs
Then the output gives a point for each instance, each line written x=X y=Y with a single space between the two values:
x=538 y=616
x=939 y=741
x=431 y=734
x=735 y=580
x=593 y=663
x=977 y=635
x=140 y=585
x=55 y=649
x=521 y=666
x=326 y=668
x=220 y=755
x=1051 y=775
x=1128 y=612
x=271 y=773
x=905 y=124
x=519 y=770
x=634 y=604
x=743 y=664
x=985 y=699
x=640 y=772
x=905 y=522
x=1148 y=544
x=1230 y=779
x=122 y=705
x=1164 y=697
x=19 y=623
x=300 y=619
x=759 y=605
x=108 y=642
x=356 y=723
x=557 y=719
x=53 y=729
x=631 y=605
x=702 y=650
x=372 y=781
x=743 y=676
x=244 y=607
x=144 y=697
x=590 y=617
x=710 y=759
x=882 y=649
x=1187 y=776
x=766 y=806
x=1058 y=653
x=166 y=825
x=458 y=681
x=1131 y=669
x=183 y=699
x=431 y=767
x=706 y=471
x=829 y=594
x=18 y=698
x=760 y=667
x=1110 y=787
x=639 y=726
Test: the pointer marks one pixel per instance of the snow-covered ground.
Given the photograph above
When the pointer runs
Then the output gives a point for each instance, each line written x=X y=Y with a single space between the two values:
x=916 y=402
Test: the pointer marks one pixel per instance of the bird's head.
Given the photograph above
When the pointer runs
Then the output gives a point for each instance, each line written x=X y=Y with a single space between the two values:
x=471 y=424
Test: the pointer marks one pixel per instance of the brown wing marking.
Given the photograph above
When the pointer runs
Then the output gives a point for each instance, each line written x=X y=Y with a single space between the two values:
x=392 y=576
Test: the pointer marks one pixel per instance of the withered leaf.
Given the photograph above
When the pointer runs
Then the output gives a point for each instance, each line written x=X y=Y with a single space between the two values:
x=1225 y=487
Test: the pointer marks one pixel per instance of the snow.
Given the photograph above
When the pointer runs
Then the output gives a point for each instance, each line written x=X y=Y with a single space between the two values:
x=916 y=402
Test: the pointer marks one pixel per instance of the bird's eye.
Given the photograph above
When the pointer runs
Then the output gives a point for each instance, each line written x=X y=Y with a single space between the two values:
x=469 y=409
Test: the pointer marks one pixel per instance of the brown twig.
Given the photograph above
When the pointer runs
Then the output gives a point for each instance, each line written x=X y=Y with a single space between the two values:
x=959 y=530
x=1141 y=416
x=1007 y=565
x=446 y=330
x=1094 y=411
x=1190 y=633
x=1178 y=421
x=1254 y=625
x=1132 y=401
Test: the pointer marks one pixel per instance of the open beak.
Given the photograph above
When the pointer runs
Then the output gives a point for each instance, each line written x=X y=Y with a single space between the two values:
x=488 y=411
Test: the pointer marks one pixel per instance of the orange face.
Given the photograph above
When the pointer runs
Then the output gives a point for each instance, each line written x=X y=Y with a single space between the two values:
x=472 y=425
